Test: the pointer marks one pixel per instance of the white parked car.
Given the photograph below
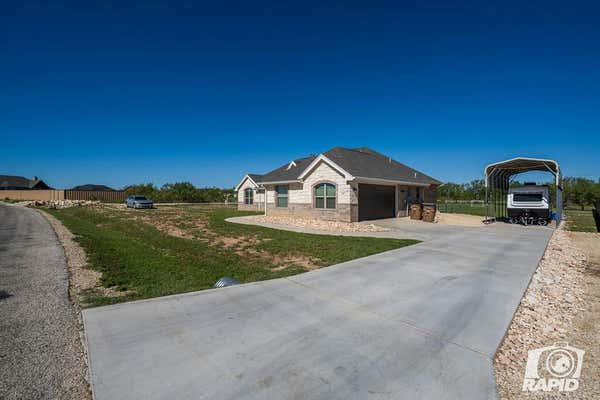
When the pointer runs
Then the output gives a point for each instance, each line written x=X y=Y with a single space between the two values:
x=137 y=201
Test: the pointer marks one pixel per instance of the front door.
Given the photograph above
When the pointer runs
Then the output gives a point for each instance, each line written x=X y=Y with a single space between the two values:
x=402 y=201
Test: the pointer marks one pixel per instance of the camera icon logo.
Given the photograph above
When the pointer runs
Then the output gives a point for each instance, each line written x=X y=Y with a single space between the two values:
x=556 y=367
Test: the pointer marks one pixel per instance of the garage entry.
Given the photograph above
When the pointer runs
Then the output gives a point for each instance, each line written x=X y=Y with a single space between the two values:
x=376 y=202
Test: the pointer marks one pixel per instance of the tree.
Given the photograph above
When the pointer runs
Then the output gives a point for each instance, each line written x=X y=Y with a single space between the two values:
x=181 y=192
x=579 y=191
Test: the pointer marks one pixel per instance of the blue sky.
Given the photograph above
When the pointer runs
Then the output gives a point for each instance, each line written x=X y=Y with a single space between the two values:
x=203 y=92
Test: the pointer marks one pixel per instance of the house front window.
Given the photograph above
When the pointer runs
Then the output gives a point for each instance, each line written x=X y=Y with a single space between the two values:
x=248 y=196
x=325 y=195
x=281 y=193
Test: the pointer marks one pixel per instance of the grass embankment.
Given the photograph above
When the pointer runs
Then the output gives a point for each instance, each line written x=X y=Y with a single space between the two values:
x=180 y=249
x=580 y=221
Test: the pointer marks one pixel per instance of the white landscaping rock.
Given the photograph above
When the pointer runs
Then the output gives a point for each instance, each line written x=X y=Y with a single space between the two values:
x=545 y=315
x=321 y=225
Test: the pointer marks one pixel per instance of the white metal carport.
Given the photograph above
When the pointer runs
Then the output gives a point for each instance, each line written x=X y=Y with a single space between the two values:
x=497 y=181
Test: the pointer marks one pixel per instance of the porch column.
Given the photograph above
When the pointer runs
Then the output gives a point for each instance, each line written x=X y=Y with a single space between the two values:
x=396 y=201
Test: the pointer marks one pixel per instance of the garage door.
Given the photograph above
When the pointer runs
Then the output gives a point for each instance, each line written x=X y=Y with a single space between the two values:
x=375 y=202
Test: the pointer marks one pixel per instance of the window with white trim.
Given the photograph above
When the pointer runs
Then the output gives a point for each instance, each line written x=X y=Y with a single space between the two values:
x=281 y=194
x=325 y=195
x=248 y=196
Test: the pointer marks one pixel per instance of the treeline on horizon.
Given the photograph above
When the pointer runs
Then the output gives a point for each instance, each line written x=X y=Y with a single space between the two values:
x=182 y=192
x=577 y=191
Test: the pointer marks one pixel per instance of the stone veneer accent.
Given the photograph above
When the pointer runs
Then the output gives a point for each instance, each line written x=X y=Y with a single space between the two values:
x=251 y=207
x=343 y=212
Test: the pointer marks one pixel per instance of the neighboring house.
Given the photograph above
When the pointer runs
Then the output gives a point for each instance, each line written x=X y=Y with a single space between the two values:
x=10 y=182
x=340 y=184
x=93 y=188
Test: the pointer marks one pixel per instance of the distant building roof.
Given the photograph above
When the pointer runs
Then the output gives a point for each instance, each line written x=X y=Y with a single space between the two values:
x=89 y=187
x=8 y=182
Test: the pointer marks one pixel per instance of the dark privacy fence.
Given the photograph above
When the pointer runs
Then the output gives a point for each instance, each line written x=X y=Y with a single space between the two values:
x=109 y=196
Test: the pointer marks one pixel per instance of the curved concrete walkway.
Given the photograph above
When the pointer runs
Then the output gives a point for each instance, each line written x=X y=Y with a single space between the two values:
x=421 y=322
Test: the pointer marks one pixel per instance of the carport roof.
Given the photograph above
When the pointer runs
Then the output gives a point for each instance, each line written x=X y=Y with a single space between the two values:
x=503 y=170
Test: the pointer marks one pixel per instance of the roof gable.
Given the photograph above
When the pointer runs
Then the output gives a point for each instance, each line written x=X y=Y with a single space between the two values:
x=324 y=159
x=251 y=177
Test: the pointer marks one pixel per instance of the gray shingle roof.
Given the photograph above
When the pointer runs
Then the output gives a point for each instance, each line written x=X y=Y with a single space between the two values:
x=360 y=162
x=255 y=177
x=367 y=163
x=284 y=173
x=20 y=182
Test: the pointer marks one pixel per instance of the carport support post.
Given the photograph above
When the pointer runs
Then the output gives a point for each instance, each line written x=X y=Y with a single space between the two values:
x=487 y=195
x=396 y=211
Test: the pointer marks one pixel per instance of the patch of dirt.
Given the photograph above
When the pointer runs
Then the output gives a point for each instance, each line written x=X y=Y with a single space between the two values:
x=284 y=262
x=458 y=219
x=111 y=292
x=280 y=262
x=551 y=311
x=171 y=230
x=589 y=243
x=241 y=241
x=587 y=334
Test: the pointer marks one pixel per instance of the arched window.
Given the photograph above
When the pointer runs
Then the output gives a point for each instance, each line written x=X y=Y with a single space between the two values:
x=325 y=195
x=248 y=196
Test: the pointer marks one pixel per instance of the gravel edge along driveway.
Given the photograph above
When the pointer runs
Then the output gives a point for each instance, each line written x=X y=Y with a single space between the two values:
x=40 y=344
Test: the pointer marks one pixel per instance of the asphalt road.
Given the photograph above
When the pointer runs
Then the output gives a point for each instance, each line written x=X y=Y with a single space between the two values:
x=421 y=322
x=37 y=323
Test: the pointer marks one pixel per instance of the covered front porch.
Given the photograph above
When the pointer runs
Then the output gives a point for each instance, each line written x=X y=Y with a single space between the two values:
x=379 y=200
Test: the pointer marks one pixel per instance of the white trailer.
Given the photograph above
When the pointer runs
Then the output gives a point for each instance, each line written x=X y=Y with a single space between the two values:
x=529 y=204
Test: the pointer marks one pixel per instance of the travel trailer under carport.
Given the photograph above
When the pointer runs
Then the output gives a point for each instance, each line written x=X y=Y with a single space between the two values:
x=497 y=182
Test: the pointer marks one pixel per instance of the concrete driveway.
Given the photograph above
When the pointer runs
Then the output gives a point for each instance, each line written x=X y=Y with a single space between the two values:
x=421 y=322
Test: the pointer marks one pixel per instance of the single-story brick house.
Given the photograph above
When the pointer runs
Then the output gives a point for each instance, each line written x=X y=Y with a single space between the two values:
x=340 y=184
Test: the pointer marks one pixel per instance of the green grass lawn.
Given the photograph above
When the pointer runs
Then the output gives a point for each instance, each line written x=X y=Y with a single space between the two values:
x=10 y=201
x=180 y=249
x=462 y=208
x=580 y=221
